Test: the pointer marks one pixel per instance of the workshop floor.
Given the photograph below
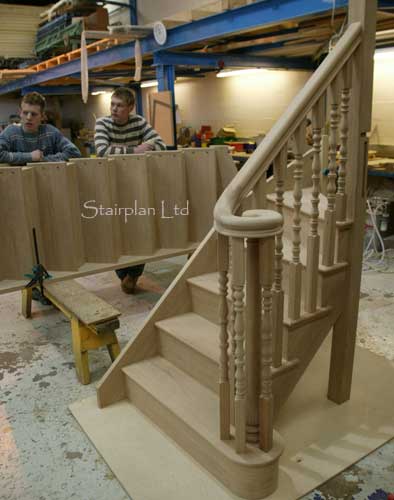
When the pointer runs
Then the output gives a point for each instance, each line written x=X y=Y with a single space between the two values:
x=44 y=455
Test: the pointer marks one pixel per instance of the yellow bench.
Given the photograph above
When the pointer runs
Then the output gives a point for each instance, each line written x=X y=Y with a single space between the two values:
x=93 y=321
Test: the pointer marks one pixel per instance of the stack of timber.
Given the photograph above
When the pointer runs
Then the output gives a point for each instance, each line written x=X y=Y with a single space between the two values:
x=92 y=215
x=18 y=30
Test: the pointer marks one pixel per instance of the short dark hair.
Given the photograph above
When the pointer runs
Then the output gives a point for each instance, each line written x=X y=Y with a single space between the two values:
x=126 y=94
x=35 y=99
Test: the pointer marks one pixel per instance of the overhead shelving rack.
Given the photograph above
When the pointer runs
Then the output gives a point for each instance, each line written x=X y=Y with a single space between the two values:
x=291 y=34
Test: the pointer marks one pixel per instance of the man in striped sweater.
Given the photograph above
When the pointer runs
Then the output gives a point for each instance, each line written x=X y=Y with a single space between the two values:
x=125 y=133
x=34 y=141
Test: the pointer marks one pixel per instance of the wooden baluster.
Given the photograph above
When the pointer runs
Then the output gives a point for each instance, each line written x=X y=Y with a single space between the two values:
x=231 y=318
x=343 y=137
x=252 y=341
x=330 y=215
x=313 y=242
x=224 y=385
x=295 y=267
x=279 y=351
x=259 y=192
x=266 y=398
x=238 y=281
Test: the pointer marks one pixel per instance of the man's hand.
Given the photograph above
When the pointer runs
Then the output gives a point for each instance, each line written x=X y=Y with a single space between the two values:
x=37 y=155
x=143 y=148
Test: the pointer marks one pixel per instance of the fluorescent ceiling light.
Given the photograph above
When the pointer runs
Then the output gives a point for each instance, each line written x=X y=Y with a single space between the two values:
x=240 y=72
x=99 y=92
x=151 y=83
x=384 y=54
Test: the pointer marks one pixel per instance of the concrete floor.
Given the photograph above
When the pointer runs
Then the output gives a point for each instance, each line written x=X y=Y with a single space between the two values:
x=43 y=453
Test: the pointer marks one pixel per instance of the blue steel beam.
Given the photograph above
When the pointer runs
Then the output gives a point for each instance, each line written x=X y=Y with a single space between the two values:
x=248 y=17
x=225 y=60
x=133 y=12
x=66 y=89
x=103 y=58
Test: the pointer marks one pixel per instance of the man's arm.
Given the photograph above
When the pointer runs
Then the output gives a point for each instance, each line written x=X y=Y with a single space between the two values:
x=103 y=144
x=65 y=149
x=150 y=136
x=9 y=156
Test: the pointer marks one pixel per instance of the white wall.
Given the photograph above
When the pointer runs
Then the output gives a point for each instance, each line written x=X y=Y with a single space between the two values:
x=155 y=10
x=251 y=103
x=382 y=131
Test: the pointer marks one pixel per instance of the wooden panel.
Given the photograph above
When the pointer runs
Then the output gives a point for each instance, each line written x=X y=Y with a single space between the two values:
x=161 y=115
x=16 y=250
x=226 y=167
x=18 y=29
x=169 y=186
x=201 y=177
x=134 y=191
x=83 y=304
x=59 y=208
x=100 y=230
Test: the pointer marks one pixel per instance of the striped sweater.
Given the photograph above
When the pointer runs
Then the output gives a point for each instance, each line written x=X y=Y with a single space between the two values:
x=111 y=138
x=16 y=145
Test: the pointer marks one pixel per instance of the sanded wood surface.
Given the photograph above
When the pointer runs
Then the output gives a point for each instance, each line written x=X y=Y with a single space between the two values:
x=59 y=211
x=134 y=192
x=101 y=233
x=168 y=172
x=79 y=210
x=202 y=180
x=16 y=251
x=86 y=306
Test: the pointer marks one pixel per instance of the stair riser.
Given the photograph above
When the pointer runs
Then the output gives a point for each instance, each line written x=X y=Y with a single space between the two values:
x=205 y=303
x=187 y=359
x=251 y=482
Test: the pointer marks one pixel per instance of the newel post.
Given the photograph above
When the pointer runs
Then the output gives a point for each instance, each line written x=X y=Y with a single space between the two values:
x=344 y=333
x=252 y=240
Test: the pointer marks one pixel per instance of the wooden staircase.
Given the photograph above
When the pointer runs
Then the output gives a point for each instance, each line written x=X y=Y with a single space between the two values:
x=229 y=340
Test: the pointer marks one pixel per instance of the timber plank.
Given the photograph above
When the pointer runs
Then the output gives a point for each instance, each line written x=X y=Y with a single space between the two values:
x=86 y=306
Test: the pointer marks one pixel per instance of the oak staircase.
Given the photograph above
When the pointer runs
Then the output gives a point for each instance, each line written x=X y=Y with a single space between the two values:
x=227 y=343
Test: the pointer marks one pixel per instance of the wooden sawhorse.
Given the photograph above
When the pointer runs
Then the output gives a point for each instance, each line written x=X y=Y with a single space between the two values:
x=93 y=321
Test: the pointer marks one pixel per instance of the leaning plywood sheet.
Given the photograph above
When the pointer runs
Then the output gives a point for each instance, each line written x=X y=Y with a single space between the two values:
x=161 y=115
x=201 y=177
x=16 y=250
x=97 y=196
x=60 y=228
x=171 y=204
x=135 y=199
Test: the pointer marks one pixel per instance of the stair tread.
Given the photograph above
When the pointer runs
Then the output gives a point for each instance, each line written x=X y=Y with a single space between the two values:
x=306 y=208
x=208 y=281
x=189 y=400
x=194 y=330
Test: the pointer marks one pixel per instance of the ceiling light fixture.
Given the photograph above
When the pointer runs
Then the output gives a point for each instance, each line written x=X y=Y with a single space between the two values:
x=151 y=83
x=240 y=72
x=384 y=54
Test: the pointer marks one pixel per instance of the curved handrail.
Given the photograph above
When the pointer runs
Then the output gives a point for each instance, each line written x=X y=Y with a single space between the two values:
x=225 y=222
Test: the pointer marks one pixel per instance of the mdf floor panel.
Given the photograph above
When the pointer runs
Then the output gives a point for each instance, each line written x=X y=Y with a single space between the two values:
x=321 y=438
